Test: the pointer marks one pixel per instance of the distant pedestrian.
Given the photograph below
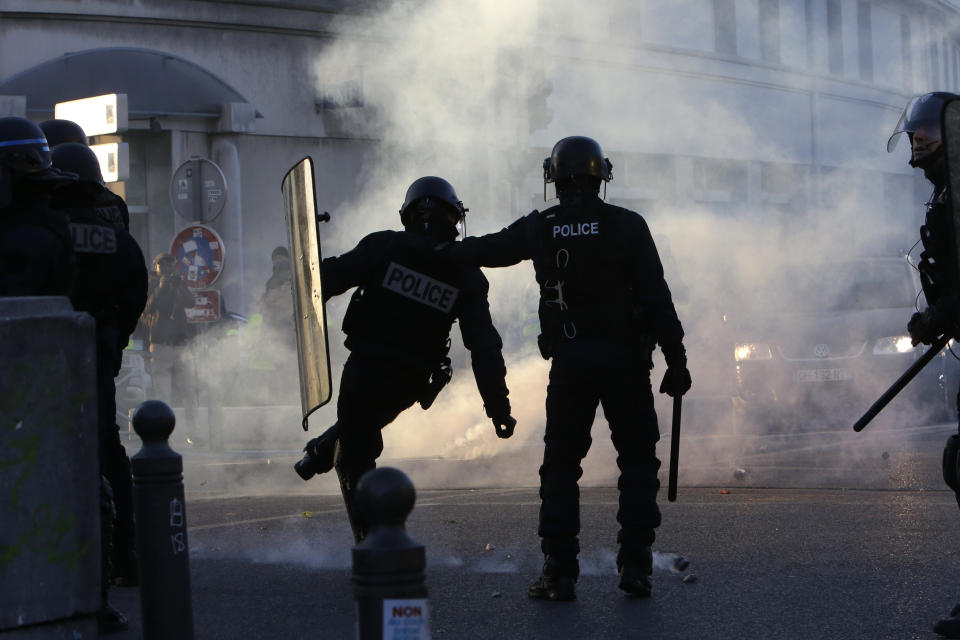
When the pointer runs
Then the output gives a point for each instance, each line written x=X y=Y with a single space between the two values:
x=173 y=369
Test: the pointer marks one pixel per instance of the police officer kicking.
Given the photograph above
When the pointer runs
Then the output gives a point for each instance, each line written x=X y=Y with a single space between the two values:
x=920 y=121
x=604 y=305
x=398 y=325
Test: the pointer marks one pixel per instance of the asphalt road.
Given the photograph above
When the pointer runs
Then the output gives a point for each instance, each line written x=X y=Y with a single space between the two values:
x=815 y=536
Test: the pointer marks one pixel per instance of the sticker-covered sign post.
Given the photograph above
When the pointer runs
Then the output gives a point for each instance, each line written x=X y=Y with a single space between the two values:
x=389 y=565
x=199 y=253
x=206 y=306
x=163 y=553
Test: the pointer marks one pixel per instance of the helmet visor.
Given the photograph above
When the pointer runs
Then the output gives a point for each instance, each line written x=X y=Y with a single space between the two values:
x=921 y=114
x=25 y=156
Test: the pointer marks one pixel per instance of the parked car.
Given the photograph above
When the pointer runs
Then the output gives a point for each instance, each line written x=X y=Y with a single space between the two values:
x=816 y=344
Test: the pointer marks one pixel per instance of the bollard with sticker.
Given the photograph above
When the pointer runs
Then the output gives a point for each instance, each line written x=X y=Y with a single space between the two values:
x=161 y=527
x=388 y=566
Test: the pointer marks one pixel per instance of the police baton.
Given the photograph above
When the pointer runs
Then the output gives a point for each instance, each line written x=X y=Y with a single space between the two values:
x=674 y=449
x=901 y=382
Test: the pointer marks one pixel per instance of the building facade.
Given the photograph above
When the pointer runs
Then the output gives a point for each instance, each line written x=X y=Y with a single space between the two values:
x=766 y=110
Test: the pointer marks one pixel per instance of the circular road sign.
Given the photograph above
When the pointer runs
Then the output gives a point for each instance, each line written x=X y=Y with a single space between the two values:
x=198 y=190
x=199 y=254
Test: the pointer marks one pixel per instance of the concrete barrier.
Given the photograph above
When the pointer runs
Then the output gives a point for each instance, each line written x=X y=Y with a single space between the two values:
x=49 y=478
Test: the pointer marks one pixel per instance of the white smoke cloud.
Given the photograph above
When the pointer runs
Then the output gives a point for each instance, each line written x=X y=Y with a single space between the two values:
x=443 y=86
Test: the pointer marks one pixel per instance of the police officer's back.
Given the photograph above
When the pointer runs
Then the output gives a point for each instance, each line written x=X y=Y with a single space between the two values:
x=112 y=281
x=36 y=255
x=604 y=305
x=110 y=285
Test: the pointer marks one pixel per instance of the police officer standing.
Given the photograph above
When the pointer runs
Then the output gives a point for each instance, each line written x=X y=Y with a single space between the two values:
x=61 y=131
x=920 y=121
x=36 y=254
x=604 y=305
x=398 y=325
x=110 y=285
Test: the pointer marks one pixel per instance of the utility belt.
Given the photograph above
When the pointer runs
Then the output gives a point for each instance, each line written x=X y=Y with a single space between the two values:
x=440 y=376
x=558 y=324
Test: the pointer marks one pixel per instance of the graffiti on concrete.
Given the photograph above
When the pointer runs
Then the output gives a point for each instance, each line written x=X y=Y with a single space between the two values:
x=29 y=429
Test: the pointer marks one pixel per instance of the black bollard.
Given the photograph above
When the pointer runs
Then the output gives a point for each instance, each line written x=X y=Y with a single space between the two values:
x=388 y=566
x=161 y=527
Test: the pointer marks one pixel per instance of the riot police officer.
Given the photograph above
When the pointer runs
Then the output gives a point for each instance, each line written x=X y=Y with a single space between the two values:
x=604 y=305
x=397 y=326
x=37 y=258
x=36 y=255
x=921 y=122
x=111 y=285
x=60 y=132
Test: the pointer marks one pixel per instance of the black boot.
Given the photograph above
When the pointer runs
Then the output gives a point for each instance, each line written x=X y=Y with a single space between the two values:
x=949 y=627
x=319 y=452
x=635 y=573
x=635 y=581
x=557 y=580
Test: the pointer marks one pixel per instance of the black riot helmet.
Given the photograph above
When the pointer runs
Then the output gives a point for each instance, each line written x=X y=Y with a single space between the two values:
x=60 y=131
x=79 y=159
x=920 y=120
x=24 y=158
x=23 y=147
x=428 y=196
x=576 y=158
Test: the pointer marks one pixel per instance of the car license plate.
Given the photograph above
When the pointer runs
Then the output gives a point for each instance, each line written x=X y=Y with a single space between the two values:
x=822 y=375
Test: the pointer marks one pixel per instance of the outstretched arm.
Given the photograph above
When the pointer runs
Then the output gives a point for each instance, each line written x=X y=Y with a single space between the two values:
x=501 y=249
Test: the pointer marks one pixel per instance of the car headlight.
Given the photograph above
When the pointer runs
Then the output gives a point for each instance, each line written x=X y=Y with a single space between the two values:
x=752 y=351
x=893 y=345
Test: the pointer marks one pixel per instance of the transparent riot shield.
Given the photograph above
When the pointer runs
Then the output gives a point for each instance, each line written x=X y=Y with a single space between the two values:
x=305 y=257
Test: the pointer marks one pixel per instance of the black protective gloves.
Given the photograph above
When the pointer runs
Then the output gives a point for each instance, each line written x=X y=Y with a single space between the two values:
x=676 y=380
x=504 y=425
x=924 y=327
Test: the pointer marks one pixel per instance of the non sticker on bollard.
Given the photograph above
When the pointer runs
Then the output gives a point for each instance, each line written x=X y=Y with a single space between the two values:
x=406 y=620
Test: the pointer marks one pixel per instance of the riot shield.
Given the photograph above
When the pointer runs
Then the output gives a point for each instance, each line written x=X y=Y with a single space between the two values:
x=310 y=315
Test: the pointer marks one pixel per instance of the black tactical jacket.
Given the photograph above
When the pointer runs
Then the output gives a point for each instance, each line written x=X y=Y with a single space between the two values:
x=938 y=273
x=406 y=302
x=599 y=273
x=36 y=254
x=111 y=274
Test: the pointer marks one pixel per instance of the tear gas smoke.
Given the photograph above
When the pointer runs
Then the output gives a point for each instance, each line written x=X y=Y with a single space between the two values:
x=445 y=95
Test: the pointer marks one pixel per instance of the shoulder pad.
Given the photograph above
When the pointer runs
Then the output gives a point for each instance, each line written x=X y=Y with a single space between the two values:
x=549 y=211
